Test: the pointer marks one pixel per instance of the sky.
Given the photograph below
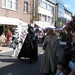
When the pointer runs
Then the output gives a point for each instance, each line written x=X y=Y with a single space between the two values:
x=70 y=5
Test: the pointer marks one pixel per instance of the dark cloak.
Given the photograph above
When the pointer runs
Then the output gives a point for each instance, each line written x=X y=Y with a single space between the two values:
x=30 y=47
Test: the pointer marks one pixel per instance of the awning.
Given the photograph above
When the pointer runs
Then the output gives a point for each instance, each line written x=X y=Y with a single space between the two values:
x=20 y=22
x=51 y=26
x=42 y=25
x=11 y=21
x=61 y=28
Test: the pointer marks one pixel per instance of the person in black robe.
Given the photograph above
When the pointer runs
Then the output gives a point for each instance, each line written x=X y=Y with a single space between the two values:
x=30 y=46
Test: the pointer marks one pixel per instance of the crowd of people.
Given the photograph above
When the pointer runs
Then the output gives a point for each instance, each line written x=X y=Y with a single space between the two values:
x=50 y=64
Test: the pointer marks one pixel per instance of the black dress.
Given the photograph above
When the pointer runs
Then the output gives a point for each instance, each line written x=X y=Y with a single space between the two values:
x=30 y=47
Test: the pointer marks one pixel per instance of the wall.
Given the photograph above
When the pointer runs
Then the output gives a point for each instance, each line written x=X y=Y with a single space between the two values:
x=19 y=14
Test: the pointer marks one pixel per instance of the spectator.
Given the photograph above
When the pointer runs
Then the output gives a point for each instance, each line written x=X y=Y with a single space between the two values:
x=72 y=61
x=22 y=38
x=67 y=55
x=59 y=70
x=8 y=35
x=24 y=35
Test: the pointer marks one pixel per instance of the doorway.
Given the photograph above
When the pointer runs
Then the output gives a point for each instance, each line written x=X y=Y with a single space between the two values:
x=1 y=30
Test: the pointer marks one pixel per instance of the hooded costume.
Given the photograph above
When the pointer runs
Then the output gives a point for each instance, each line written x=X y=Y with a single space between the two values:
x=50 y=56
x=30 y=46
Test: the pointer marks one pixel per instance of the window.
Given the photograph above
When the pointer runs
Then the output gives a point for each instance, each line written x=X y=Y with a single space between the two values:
x=48 y=6
x=9 y=4
x=44 y=4
x=25 y=7
x=40 y=2
x=44 y=18
x=39 y=16
x=61 y=8
x=15 y=4
x=50 y=19
x=4 y=3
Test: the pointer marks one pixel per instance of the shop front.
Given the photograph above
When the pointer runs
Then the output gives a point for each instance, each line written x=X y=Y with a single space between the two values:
x=11 y=23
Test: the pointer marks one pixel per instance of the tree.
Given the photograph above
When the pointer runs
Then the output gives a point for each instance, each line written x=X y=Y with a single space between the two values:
x=34 y=11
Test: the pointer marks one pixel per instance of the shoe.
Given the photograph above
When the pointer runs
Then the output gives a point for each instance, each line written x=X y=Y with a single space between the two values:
x=29 y=62
x=12 y=55
x=18 y=57
x=34 y=61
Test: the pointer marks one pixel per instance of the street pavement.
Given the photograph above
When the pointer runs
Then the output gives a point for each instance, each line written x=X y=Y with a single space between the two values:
x=13 y=66
x=7 y=49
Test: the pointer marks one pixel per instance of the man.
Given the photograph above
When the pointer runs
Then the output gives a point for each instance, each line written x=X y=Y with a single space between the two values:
x=72 y=61
x=73 y=41
x=30 y=46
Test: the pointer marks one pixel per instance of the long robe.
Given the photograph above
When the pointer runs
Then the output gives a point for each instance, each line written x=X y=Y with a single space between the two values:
x=49 y=58
x=30 y=47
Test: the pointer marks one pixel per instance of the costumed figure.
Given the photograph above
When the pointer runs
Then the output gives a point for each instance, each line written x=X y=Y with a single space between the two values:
x=15 y=39
x=30 y=47
x=51 y=47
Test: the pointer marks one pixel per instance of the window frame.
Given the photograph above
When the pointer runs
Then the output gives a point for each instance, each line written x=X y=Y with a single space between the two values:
x=6 y=5
x=25 y=7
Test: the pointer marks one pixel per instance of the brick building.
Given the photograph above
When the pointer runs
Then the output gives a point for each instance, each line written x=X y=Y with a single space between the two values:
x=14 y=12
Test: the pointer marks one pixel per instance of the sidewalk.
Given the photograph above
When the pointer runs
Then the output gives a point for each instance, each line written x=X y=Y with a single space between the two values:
x=6 y=49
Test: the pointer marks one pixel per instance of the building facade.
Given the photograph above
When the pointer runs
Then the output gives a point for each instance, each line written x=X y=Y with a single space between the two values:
x=67 y=15
x=19 y=9
x=61 y=13
x=42 y=13
x=14 y=12
x=46 y=14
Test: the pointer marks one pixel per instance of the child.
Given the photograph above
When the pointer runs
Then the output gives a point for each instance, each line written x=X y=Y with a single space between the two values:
x=59 y=70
